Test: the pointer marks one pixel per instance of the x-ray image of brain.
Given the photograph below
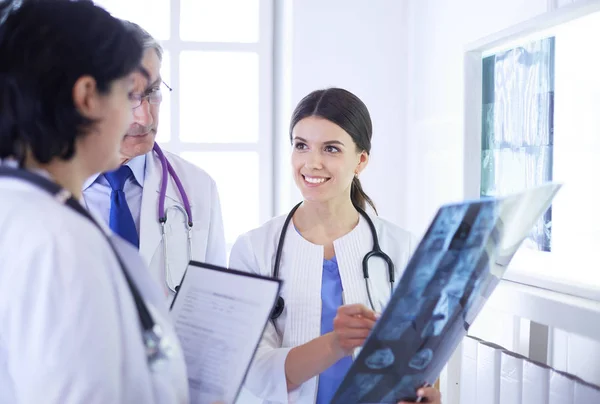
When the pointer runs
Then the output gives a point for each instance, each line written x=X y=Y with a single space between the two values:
x=403 y=317
x=444 y=271
x=366 y=382
x=459 y=238
x=406 y=388
x=482 y=230
x=435 y=243
x=440 y=316
x=423 y=272
x=421 y=359
x=394 y=330
x=462 y=272
x=475 y=292
x=476 y=239
x=380 y=359
x=363 y=384
x=486 y=219
x=448 y=219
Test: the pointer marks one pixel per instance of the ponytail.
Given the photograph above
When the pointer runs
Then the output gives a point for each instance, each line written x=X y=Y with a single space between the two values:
x=359 y=197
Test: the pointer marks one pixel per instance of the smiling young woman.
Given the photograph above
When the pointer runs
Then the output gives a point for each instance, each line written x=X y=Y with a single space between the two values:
x=307 y=348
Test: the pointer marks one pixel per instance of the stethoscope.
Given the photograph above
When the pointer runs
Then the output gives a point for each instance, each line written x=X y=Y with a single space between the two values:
x=186 y=211
x=157 y=346
x=375 y=252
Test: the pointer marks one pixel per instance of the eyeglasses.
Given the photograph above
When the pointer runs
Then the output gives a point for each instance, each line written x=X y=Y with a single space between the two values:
x=153 y=95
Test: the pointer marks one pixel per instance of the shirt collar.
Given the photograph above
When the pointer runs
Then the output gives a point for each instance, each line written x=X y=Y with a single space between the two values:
x=138 y=168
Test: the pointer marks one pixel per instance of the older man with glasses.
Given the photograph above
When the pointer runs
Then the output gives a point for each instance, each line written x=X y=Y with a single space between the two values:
x=160 y=203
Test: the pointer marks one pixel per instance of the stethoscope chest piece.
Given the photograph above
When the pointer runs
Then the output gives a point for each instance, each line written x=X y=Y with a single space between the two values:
x=278 y=308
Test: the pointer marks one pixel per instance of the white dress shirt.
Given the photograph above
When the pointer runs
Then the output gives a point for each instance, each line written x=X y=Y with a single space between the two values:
x=97 y=192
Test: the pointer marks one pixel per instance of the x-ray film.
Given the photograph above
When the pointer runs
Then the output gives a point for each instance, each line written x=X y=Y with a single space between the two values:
x=456 y=266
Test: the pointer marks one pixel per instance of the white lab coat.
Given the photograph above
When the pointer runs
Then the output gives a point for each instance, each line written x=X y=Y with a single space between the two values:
x=301 y=271
x=208 y=239
x=69 y=330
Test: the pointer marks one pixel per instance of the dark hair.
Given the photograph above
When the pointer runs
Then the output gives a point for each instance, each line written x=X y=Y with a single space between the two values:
x=348 y=112
x=46 y=46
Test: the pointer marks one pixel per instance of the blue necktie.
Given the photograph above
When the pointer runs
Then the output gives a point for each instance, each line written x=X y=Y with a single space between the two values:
x=121 y=220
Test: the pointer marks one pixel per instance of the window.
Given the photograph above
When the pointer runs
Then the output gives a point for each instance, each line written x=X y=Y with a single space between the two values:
x=218 y=59
x=540 y=121
x=518 y=126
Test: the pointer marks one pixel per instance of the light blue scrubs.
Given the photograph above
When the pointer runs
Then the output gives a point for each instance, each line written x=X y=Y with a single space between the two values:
x=331 y=296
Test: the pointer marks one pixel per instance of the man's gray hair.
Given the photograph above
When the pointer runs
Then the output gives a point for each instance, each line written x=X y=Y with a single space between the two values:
x=143 y=37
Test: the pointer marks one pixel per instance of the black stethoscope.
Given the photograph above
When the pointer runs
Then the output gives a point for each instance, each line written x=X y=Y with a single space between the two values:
x=156 y=345
x=375 y=252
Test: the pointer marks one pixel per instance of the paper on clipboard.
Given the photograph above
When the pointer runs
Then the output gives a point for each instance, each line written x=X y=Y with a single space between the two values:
x=220 y=316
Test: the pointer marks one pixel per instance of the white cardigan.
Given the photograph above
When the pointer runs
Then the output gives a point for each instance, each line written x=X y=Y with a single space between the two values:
x=301 y=269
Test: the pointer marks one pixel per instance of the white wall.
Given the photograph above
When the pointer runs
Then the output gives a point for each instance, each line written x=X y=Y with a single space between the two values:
x=440 y=32
x=358 y=45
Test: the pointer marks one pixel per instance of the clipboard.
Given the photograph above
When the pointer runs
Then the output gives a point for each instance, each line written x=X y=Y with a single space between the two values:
x=220 y=315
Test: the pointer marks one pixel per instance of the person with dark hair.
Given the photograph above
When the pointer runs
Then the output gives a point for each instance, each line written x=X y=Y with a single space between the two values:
x=338 y=263
x=81 y=321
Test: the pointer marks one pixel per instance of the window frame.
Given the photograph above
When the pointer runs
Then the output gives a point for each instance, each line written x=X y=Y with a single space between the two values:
x=522 y=270
x=264 y=147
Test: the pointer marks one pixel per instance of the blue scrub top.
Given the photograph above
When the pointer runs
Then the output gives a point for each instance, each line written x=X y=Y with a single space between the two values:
x=331 y=296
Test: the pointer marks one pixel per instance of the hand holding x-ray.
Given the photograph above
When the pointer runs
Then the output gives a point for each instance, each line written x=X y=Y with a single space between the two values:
x=351 y=327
